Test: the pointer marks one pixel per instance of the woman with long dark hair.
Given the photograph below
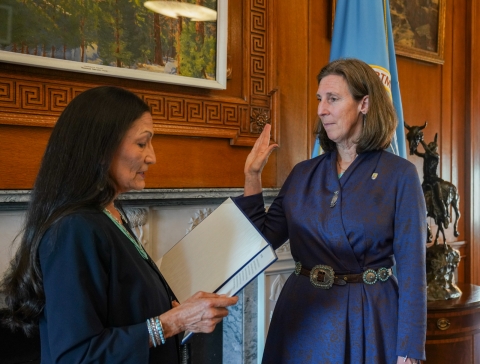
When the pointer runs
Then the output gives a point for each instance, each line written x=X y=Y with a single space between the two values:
x=80 y=274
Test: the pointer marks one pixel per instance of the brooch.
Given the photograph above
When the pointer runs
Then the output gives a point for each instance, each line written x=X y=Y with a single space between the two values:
x=334 y=199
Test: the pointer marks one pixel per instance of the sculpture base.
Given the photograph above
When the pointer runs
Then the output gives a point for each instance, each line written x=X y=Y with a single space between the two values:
x=442 y=260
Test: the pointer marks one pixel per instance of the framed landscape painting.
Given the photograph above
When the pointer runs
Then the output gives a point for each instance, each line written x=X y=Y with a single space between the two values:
x=418 y=28
x=176 y=42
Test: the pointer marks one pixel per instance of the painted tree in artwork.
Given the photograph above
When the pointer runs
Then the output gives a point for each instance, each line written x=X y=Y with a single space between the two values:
x=83 y=16
x=158 y=58
x=125 y=35
x=20 y=31
x=210 y=51
x=191 y=61
x=110 y=31
x=27 y=35
x=138 y=29
x=199 y=28
x=178 y=45
x=198 y=46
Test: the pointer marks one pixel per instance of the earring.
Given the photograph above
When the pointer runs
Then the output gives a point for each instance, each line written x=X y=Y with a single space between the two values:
x=364 y=119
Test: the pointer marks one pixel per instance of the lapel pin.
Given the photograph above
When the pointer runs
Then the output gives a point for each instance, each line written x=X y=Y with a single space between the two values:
x=374 y=175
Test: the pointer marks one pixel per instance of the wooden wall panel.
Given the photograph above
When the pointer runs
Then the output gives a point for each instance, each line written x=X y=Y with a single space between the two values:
x=182 y=162
x=292 y=51
x=454 y=124
x=436 y=94
x=21 y=150
x=303 y=48
x=472 y=137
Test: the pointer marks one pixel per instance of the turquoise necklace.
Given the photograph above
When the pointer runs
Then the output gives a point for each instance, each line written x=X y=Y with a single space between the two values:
x=134 y=241
x=342 y=171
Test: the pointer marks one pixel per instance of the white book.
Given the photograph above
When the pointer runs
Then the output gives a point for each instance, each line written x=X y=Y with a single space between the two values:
x=221 y=255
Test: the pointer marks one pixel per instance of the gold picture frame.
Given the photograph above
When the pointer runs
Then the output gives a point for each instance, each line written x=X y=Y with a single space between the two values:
x=419 y=31
x=412 y=26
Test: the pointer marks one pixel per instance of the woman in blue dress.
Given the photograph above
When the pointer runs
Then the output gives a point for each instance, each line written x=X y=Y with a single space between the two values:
x=350 y=214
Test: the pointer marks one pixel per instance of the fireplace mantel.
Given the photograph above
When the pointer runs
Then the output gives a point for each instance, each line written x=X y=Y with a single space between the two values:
x=18 y=199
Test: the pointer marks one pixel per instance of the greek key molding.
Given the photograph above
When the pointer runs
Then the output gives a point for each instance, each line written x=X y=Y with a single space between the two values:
x=38 y=100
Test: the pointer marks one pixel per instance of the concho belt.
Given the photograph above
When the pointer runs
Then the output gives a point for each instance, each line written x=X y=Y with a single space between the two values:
x=323 y=276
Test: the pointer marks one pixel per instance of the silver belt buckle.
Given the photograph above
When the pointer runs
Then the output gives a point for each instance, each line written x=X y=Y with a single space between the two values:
x=328 y=278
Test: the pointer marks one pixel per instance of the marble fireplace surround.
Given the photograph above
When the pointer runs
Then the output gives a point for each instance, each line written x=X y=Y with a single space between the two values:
x=161 y=217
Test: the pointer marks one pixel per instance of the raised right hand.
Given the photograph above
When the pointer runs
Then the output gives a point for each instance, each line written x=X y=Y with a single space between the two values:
x=200 y=313
x=256 y=161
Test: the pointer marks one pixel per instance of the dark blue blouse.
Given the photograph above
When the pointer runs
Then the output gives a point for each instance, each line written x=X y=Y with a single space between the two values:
x=99 y=292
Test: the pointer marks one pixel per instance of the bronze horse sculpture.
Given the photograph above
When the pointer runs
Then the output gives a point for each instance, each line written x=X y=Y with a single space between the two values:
x=439 y=194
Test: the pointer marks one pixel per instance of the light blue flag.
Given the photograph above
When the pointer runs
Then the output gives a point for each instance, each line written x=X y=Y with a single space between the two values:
x=363 y=30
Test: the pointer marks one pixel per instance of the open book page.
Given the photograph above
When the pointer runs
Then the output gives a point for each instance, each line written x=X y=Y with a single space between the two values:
x=256 y=266
x=244 y=276
x=214 y=252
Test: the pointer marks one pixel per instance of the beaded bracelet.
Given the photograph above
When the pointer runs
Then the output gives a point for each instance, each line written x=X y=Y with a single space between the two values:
x=155 y=331
x=152 y=338
x=160 y=329
x=156 y=336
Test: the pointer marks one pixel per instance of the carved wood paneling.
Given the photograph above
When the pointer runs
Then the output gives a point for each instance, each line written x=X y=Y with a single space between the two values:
x=472 y=139
x=36 y=100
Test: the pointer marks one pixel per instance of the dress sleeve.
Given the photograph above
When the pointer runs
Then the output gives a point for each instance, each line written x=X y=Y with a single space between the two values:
x=74 y=258
x=272 y=224
x=410 y=249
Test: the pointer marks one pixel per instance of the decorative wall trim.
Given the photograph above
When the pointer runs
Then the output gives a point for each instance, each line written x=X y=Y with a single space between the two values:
x=37 y=100
x=18 y=199
x=197 y=218
x=138 y=218
x=269 y=287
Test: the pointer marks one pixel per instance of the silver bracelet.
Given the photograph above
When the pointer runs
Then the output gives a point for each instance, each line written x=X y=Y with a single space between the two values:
x=150 y=333
x=160 y=329
x=155 y=331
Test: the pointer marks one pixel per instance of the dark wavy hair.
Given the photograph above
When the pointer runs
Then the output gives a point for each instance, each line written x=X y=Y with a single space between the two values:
x=381 y=119
x=74 y=174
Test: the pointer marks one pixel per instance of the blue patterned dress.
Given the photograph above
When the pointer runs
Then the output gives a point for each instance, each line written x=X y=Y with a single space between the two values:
x=376 y=221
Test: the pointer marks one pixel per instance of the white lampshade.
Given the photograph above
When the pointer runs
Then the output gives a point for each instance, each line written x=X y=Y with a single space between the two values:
x=174 y=9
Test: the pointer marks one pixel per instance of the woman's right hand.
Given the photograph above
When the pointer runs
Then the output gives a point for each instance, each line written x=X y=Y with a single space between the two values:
x=200 y=313
x=256 y=160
